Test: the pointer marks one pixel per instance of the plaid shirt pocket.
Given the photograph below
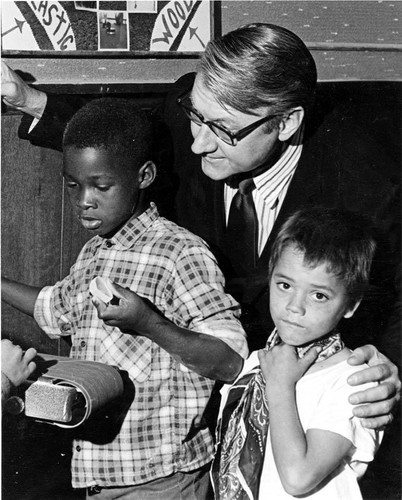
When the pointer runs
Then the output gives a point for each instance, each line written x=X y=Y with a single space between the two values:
x=130 y=353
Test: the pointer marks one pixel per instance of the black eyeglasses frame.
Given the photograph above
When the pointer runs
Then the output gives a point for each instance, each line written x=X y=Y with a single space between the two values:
x=233 y=137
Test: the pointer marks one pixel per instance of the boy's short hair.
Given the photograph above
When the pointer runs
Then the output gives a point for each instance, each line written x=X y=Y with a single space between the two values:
x=342 y=239
x=116 y=125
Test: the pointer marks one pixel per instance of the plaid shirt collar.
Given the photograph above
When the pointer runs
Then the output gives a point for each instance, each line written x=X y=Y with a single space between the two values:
x=133 y=229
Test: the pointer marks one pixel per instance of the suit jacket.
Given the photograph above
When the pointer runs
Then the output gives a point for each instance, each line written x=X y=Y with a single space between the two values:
x=339 y=167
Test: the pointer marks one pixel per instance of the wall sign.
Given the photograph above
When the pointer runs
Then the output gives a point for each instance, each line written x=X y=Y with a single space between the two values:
x=91 y=28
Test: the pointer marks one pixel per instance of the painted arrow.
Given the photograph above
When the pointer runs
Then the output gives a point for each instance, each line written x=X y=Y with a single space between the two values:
x=18 y=25
x=193 y=32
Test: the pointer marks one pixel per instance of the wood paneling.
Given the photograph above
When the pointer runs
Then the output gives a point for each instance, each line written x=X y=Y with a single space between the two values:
x=31 y=223
x=74 y=237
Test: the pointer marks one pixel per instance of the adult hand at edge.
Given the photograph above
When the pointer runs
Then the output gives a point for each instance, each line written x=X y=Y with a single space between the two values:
x=19 y=95
x=374 y=406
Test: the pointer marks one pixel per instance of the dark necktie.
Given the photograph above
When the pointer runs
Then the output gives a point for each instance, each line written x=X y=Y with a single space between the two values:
x=242 y=229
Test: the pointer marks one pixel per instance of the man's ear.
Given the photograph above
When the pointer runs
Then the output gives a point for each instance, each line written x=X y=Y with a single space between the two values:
x=350 y=312
x=291 y=123
x=146 y=174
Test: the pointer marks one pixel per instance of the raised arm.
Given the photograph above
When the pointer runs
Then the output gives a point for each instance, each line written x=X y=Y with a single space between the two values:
x=205 y=354
x=45 y=114
x=19 y=295
x=19 y=95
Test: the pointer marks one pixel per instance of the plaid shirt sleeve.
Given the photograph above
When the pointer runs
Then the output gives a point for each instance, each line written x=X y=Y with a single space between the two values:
x=197 y=293
x=55 y=304
x=52 y=324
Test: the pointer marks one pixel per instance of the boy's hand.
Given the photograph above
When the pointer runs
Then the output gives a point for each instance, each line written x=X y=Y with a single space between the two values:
x=381 y=400
x=282 y=367
x=16 y=364
x=18 y=94
x=130 y=314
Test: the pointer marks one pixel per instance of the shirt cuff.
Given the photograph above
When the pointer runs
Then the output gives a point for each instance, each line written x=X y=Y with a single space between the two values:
x=43 y=313
x=35 y=121
x=235 y=338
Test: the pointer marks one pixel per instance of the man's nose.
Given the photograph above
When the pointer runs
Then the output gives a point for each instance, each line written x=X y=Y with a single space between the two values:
x=205 y=141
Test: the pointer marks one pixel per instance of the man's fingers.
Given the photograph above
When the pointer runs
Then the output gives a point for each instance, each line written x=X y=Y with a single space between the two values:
x=381 y=392
x=8 y=89
x=377 y=373
x=381 y=409
x=377 y=423
x=6 y=73
x=363 y=354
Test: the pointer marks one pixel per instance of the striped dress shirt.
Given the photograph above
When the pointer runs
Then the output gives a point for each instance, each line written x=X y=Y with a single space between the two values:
x=271 y=188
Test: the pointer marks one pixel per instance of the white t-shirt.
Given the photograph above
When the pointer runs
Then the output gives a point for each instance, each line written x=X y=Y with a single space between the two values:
x=322 y=402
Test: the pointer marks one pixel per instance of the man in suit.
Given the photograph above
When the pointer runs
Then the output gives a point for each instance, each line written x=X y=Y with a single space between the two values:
x=296 y=158
x=248 y=114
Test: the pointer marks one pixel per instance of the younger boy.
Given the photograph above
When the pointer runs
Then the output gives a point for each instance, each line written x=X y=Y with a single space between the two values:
x=293 y=432
x=173 y=350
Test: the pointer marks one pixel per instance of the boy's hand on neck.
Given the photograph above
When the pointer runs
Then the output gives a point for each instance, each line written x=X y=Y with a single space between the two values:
x=282 y=367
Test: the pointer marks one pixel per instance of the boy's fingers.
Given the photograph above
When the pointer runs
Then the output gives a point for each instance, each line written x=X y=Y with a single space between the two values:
x=30 y=354
x=117 y=290
x=31 y=367
x=121 y=292
x=100 y=306
x=309 y=358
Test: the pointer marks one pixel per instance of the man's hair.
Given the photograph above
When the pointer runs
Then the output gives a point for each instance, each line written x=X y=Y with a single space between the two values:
x=115 y=125
x=259 y=65
x=341 y=239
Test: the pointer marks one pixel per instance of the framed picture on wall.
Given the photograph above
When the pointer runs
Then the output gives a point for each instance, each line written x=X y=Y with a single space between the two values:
x=149 y=28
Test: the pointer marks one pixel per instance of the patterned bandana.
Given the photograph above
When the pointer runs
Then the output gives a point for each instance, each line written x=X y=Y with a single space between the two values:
x=243 y=428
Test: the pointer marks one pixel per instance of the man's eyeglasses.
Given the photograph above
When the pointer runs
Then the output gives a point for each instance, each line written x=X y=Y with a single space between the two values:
x=223 y=133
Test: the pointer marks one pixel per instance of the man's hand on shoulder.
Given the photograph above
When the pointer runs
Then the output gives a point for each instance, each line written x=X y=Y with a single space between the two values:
x=375 y=405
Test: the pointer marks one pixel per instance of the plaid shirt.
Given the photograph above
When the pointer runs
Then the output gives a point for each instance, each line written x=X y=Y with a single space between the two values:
x=163 y=431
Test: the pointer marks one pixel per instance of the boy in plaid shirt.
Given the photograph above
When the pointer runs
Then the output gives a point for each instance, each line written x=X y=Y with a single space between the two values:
x=173 y=350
